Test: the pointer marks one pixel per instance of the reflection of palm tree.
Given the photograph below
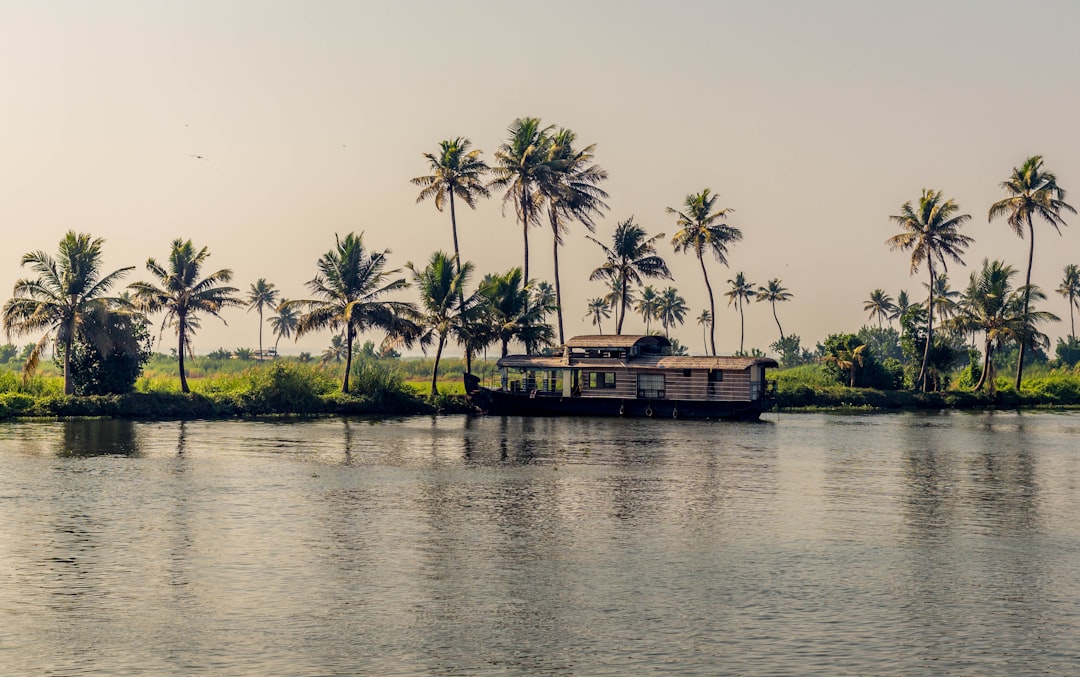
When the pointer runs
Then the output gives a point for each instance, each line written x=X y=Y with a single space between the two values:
x=931 y=233
x=571 y=187
x=599 y=309
x=262 y=294
x=740 y=293
x=284 y=323
x=61 y=300
x=671 y=309
x=456 y=171
x=705 y=320
x=183 y=295
x=1070 y=289
x=1031 y=192
x=631 y=257
x=774 y=292
x=348 y=290
x=880 y=305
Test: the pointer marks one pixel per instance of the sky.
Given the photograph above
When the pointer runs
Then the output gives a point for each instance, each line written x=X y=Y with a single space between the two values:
x=261 y=129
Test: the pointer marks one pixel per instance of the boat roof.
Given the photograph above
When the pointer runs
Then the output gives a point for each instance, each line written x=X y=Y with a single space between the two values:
x=725 y=362
x=600 y=341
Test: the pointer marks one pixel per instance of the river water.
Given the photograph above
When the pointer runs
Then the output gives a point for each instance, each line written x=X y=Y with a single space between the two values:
x=807 y=544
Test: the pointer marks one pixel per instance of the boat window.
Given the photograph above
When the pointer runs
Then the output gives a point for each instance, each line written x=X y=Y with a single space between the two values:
x=601 y=379
x=686 y=373
x=716 y=375
x=650 y=386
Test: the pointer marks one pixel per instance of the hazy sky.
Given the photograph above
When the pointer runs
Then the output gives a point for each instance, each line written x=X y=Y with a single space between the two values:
x=814 y=121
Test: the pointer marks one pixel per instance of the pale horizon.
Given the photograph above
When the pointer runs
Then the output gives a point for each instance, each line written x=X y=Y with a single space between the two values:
x=262 y=129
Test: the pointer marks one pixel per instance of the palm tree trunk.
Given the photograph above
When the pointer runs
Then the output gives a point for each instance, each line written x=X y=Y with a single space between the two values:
x=1027 y=298
x=921 y=383
x=348 y=357
x=712 y=305
x=182 y=332
x=453 y=229
x=987 y=348
x=778 y=320
x=69 y=387
x=435 y=368
x=260 y=331
x=558 y=290
x=522 y=201
x=620 y=316
x=742 y=326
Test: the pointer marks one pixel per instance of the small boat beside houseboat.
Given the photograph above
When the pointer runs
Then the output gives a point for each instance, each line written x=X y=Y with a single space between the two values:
x=626 y=375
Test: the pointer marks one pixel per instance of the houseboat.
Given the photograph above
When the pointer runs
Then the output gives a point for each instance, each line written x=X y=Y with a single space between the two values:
x=626 y=375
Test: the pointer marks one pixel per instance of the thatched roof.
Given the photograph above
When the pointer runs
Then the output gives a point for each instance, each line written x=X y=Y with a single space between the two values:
x=599 y=341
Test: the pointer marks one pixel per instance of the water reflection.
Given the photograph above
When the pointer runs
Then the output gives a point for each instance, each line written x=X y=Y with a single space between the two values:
x=91 y=437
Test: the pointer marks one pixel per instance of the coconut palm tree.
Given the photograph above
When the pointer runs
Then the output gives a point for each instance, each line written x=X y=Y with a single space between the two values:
x=522 y=163
x=630 y=258
x=944 y=298
x=701 y=229
x=506 y=308
x=880 y=305
x=850 y=360
x=647 y=305
x=262 y=294
x=902 y=305
x=571 y=189
x=931 y=232
x=671 y=309
x=337 y=351
x=284 y=323
x=705 y=320
x=991 y=305
x=456 y=171
x=442 y=310
x=182 y=292
x=599 y=309
x=348 y=290
x=1032 y=193
x=1070 y=289
x=740 y=293
x=66 y=294
x=774 y=292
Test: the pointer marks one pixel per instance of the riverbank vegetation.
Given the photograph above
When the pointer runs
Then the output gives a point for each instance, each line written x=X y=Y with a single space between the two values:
x=946 y=350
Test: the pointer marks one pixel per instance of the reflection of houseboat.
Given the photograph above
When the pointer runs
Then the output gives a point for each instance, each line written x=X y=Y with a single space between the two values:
x=626 y=376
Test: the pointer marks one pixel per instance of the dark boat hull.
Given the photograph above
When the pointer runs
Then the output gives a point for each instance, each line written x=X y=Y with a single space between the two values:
x=499 y=403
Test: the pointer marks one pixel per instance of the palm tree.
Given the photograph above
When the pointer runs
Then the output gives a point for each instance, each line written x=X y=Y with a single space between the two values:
x=1031 y=192
x=944 y=298
x=647 y=305
x=1070 y=289
x=741 y=292
x=774 y=292
x=456 y=171
x=505 y=305
x=630 y=258
x=991 y=305
x=522 y=164
x=848 y=359
x=262 y=294
x=902 y=305
x=67 y=292
x=337 y=351
x=702 y=229
x=442 y=309
x=671 y=309
x=284 y=323
x=348 y=290
x=599 y=309
x=571 y=188
x=880 y=305
x=705 y=320
x=931 y=233
x=183 y=294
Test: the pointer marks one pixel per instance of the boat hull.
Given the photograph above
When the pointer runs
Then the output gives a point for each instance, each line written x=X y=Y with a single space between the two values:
x=499 y=403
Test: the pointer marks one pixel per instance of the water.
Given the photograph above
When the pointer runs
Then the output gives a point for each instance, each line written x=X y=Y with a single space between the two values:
x=805 y=545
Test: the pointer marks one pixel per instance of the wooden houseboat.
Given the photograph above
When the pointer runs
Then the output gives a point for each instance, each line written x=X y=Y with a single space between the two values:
x=626 y=375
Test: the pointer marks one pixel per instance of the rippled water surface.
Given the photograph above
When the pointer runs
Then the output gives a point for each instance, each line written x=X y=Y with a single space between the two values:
x=806 y=544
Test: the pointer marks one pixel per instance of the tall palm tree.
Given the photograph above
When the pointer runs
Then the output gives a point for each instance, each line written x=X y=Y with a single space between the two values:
x=705 y=320
x=1031 y=192
x=505 y=304
x=67 y=292
x=1070 y=289
x=521 y=165
x=931 y=232
x=182 y=292
x=260 y=295
x=571 y=189
x=284 y=323
x=774 y=292
x=740 y=293
x=599 y=310
x=702 y=229
x=442 y=311
x=630 y=258
x=902 y=305
x=348 y=290
x=456 y=171
x=671 y=309
x=647 y=305
x=880 y=305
